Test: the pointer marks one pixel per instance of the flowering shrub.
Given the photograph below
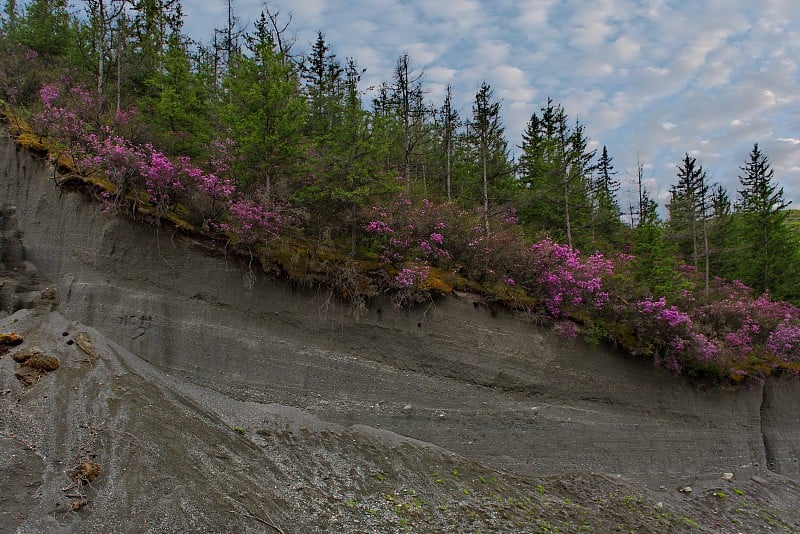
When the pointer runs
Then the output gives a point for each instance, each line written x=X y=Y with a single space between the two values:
x=251 y=221
x=162 y=179
x=564 y=281
x=404 y=233
x=722 y=335
x=65 y=119
x=131 y=167
x=116 y=158
x=784 y=341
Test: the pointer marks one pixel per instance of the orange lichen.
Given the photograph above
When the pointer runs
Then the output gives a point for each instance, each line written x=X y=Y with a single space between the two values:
x=438 y=282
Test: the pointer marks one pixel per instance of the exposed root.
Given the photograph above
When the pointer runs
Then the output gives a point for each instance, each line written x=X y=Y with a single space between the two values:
x=248 y=513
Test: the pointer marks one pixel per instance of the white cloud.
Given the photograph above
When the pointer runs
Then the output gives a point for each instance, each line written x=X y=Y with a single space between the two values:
x=490 y=52
x=511 y=83
x=534 y=14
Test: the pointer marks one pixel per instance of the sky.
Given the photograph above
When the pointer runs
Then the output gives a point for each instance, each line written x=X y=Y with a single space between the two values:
x=650 y=79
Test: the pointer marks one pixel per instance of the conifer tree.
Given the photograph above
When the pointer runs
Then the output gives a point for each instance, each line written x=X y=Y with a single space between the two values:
x=265 y=113
x=178 y=107
x=490 y=146
x=44 y=26
x=606 y=224
x=722 y=249
x=768 y=247
x=688 y=209
x=555 y=173
x=449 y=124
x=407 y=101
x=654 y=264
x=323 y=74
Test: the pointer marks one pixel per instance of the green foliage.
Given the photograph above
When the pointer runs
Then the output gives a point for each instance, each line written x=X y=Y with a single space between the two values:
x=555 y=176
x=305 y=155
x=768 y=250
x=607 y=231
x=687 y=210
x=655 y=264
x=178 y=108
x=490 y=148
x=44 y=26
x=348 y=171
x=324 y=89
x=264 y=114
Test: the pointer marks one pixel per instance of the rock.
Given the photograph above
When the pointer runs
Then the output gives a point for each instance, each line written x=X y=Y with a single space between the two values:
x=727 y=476
x=686 y=489
x=23 y=356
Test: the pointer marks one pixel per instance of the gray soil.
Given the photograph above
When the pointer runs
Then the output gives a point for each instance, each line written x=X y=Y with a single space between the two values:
x=195 y=394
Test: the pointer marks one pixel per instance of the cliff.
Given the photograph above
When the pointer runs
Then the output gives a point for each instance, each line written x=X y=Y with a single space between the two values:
x=209 y=374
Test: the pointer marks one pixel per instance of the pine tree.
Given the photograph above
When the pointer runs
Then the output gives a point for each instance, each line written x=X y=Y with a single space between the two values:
x=489 y=144
x=152 y=24
x=722 y=248
x=606 y=223
x=555 y=174
x=178 y=111
x=9 y=18
x=450 y=122
x=684 y=208
x=44 y=26
x=406 y=98
x=654 y=264
x=769 y=249
x=265 y=113
x=323 y=76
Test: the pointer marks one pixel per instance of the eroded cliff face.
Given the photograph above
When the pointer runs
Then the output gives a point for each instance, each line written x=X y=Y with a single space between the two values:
x=492 y=388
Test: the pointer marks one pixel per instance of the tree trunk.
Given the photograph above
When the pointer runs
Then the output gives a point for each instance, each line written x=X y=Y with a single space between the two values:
x=485 y=190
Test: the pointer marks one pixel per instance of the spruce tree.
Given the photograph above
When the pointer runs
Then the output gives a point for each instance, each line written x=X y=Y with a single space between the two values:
x=46 y=27
x=449 y=123
x=489 y=144
x=178 y=110
x=606 y=224
x=688 y=209
x=555 y=174
x=265 y=114
x=768 y=247
x=322 y=74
